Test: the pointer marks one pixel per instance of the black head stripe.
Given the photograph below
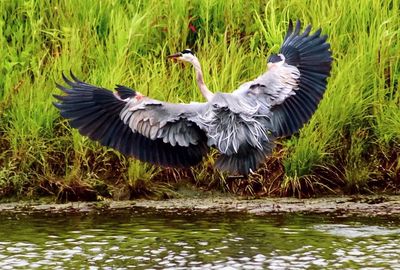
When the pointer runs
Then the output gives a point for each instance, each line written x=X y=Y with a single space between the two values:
x=187 y=51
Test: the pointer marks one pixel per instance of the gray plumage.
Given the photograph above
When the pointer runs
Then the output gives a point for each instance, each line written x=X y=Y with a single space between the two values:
x=242 y=125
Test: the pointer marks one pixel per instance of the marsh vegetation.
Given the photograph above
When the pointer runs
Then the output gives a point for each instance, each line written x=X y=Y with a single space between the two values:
x=351 y=144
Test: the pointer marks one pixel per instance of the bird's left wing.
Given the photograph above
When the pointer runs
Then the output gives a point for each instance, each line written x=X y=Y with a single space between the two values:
x=289 y=92
x=153 y=131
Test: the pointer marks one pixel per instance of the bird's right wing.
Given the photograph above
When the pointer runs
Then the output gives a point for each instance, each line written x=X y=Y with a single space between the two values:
x=153 y=131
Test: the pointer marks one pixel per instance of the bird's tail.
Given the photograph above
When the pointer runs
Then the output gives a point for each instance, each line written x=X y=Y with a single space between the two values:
x=247 y=159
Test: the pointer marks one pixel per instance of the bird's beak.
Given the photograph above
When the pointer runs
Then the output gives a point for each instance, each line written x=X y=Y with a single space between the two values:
x=174 y=56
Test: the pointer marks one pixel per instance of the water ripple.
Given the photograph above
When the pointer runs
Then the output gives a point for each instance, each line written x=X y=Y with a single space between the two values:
x=224 y=242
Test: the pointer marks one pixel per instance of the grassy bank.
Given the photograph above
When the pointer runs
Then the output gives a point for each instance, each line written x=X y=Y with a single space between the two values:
x=351 y=144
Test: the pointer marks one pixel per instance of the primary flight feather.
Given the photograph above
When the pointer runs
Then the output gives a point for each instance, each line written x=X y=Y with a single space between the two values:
x=242 y=125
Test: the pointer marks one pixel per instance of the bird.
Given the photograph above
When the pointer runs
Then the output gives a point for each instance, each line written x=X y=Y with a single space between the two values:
x=242 y=125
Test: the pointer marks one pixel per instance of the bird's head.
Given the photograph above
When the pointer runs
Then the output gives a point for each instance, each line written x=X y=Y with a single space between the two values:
x=275 y=59
x=186 y=55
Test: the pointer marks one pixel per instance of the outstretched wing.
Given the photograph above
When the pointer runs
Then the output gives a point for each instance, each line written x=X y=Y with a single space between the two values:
x=150 y=130
x=290 y=91
x=312 y=56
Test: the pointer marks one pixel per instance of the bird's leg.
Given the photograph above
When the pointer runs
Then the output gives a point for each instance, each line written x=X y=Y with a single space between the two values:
x=243 y=176
x=235 y=177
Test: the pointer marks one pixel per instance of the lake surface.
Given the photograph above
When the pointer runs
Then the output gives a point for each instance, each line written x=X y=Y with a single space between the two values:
x=224 y=241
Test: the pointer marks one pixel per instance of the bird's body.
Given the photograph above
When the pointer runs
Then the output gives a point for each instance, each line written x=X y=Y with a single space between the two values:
x=242 y=125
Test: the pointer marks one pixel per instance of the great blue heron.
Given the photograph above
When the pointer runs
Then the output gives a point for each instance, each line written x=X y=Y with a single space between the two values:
x=242 y=125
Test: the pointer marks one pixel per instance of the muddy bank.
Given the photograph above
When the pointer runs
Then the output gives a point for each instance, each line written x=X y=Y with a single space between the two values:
x=341 y=206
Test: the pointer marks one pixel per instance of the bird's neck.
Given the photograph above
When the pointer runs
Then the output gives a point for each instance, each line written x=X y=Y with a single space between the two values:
x=200 y=81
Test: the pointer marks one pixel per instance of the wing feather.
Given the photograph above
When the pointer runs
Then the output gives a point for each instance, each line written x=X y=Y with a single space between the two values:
x=171 y=120
x=313 y=60
x=102 y=116
x=291 y=89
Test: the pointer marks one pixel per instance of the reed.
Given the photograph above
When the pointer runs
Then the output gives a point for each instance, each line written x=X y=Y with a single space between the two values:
x=352 y=142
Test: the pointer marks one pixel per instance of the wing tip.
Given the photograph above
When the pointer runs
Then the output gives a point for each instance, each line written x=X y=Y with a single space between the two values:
x=125 y=92
x=74 y=77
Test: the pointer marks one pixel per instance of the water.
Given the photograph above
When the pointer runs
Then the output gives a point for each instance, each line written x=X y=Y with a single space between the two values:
x=160 y=241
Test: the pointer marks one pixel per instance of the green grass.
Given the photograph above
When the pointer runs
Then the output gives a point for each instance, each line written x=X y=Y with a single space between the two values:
x=351 y=143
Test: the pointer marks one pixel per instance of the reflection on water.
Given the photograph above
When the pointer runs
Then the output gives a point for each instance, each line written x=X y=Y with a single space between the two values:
x=145 y=241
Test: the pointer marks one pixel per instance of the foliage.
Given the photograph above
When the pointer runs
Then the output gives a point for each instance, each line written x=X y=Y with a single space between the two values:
x=351 y=142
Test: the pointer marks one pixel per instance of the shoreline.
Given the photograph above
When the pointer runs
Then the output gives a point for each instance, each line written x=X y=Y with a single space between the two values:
x=376 y=205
